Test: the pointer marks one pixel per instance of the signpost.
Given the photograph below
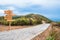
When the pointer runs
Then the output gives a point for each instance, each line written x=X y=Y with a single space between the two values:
x=8 y=17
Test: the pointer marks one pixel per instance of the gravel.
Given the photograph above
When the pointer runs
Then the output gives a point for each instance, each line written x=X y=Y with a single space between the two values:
x=23 y=34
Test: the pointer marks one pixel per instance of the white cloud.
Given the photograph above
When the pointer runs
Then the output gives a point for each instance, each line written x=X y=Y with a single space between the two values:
x=46 y=3
x=1 y=11
x=20 y=3
x=24 y=3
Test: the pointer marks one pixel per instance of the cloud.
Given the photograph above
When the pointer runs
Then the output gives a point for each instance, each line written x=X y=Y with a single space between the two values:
x=24 y=3
x=7 y=8
x=45 y=4
x=1 y=11
x=22 y=7
x=19 y=3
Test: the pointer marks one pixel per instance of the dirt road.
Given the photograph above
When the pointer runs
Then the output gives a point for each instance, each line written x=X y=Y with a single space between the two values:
x=23 y=34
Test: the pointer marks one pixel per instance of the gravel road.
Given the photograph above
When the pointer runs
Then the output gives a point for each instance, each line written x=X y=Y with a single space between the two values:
x=23 y=34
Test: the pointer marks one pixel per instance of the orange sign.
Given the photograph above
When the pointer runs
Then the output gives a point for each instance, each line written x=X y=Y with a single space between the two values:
x=9 y=15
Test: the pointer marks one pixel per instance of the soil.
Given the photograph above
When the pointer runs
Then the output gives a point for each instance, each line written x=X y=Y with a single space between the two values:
x=7 y=28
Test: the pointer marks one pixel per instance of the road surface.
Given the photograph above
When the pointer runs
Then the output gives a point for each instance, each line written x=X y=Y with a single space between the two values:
x=23 y=34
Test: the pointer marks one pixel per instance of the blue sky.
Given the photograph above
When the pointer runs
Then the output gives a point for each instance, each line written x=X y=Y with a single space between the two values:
x=48 y=8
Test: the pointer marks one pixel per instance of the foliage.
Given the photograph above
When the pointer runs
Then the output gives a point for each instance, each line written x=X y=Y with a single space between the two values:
x=50 y=38
x=54 y=34
x=31 y=19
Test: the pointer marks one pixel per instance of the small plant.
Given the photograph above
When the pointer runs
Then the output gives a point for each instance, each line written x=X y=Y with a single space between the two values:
x=52 y=35
x=50 y=38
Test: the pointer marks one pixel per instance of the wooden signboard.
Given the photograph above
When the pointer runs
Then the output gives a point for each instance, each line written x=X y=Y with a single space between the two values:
x=9 y=16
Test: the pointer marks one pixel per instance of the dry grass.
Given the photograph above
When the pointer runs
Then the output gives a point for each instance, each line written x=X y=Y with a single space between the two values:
x=57 y=32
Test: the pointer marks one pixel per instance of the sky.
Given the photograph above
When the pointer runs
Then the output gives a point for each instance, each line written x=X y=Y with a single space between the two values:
x=48 y=8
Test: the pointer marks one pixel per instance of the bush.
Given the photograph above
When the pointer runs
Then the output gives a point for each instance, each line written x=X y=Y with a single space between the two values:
x=50 y=38
x=25 y=21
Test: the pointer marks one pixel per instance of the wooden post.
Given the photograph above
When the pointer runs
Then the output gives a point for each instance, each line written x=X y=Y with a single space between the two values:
x=9 y=25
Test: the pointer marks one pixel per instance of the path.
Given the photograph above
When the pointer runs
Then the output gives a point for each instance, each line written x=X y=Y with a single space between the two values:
x=23 y=34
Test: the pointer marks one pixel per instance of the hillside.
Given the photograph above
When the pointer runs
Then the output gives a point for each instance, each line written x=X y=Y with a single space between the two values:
x=30 y=19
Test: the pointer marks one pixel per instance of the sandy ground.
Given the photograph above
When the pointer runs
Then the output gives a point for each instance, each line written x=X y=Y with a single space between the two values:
x=7 y=28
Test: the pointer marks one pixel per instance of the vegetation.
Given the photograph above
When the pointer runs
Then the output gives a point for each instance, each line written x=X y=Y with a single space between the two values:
x=55 y=33
x=51 y=37
x=30 y=19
